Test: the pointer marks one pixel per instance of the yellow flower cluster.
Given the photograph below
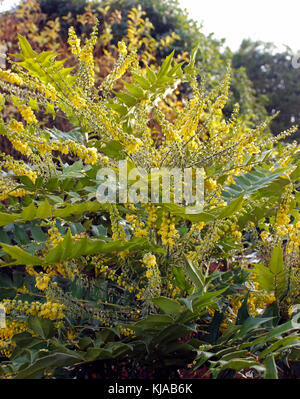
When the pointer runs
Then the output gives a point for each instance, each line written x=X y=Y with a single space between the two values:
x=42 y=281
x=174 y=291
x=230 y=317
x=78 y=101
x=110 y=274
x=140 y=294
x=153 y=275
x=235 y=232
x=118 y=232
x=192 y=255
x=152 y=216
x=89 y=155
x=18 y=143
x=27 y=114
x=122 y=48
x=52 y=311
x=6 y=192
x=283 y=218
x=138 y=226
x=127 y=332
x=167 y=230
x=219 y=104
x=65 y=269
x=210 y=184
x=282 y=221
x=123 y=66
x=71 y=335
x=294 y=238
x=16 y=126
x=258 y=301
x=86 y=57
x=216 y=203
x=230 y=180
x=22 y=147
x=49 y=310
x=171 y=134
x=264 y=235
x=18 y=167
x=134 y=145
x=199 y=226
x=12 y=327
x=73 y=41
x=49 y=92
x=188 y=121
x=11 y=77
x=149 y=261
x=54 y=234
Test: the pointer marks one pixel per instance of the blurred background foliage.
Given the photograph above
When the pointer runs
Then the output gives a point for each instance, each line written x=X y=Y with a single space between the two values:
x=274 y=77
x=263 y=81
x=45 y=23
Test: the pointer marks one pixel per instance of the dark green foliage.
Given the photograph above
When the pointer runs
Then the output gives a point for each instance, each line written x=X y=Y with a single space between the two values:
x=275 y=79
x=60 y=8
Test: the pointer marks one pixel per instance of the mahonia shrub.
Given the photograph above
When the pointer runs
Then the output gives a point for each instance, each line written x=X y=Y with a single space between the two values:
x=83 y=281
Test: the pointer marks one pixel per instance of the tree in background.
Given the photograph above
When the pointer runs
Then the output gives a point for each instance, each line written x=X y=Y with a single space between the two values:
x=45 y=33
x=275 y=83
x=274 y=78
x=166 y=19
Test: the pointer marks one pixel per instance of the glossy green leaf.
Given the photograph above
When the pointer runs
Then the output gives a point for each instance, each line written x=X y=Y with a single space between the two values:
x=271 y=369
x=43 y=327
x=167 y=305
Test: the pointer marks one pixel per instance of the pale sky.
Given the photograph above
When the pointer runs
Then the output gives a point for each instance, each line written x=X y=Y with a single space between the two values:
x=275 y=21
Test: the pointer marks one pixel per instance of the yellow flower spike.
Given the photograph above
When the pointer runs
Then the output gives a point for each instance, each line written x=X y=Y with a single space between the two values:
x=134 y=146
x=264 y=236
x=237 y=234
x=11 y=77
x=27 y=114
x=78 y=102
x=49 y=92
x=42 y=281
x=149 y=260
x=74 y=42
x=210 y=184
x=21 y=147
x=122 y=48
x=16 y=126
x=123 y=66
x=149 y=273
x=153 y=276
